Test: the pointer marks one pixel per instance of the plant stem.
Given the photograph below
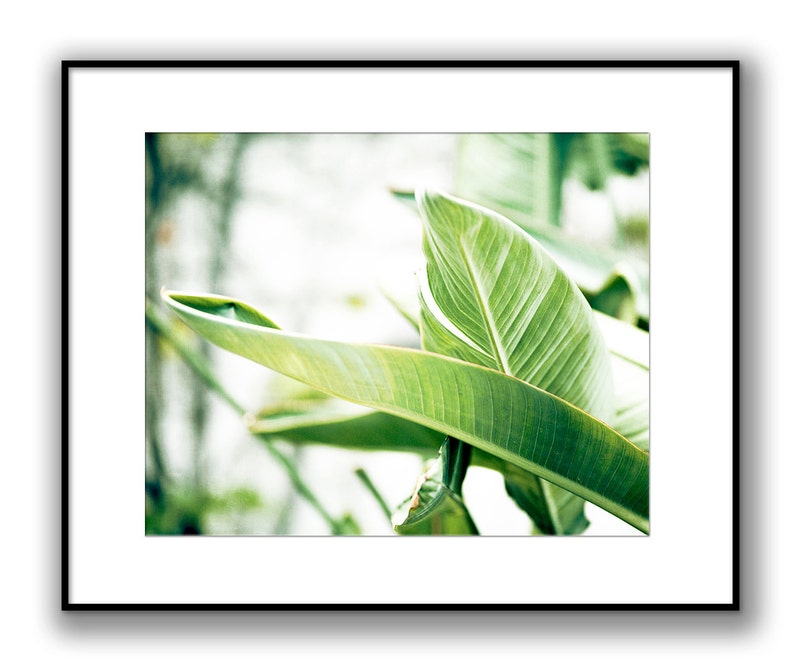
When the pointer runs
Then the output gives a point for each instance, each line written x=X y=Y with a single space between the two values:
x=362 y=475
x=456 y=457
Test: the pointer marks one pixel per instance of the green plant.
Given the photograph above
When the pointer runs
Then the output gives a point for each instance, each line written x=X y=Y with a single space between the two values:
x=517 y=373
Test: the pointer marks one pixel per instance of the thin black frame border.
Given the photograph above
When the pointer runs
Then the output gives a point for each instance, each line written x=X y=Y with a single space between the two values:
x=68 y=65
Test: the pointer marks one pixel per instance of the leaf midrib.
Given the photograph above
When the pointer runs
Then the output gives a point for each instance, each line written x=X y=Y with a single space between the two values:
x=500 y=355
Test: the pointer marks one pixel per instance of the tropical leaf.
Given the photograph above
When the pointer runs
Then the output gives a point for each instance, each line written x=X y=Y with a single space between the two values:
x=632 y=400
x=342 y=424
x=552 y=509
x=518 y=174
x=592 y=269
x=626 y=343
x=312 y=417
x=630 y=353
x=618 y=298
x=436 y=506
x=510 y=303
x=494 y=297
x=504 y=416
x=324 y=420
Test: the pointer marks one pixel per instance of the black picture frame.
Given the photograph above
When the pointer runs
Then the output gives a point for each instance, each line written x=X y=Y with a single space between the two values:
x=69 y=371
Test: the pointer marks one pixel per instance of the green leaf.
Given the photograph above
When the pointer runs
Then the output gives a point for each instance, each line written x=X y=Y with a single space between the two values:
x=633 y=401
x=628 y=347
x=553 y=511
x=436 y=507
x=503 y=416
x=591 y=269
x=618 y=297
x=337 y=423
x=518 y=174
x=626 y=344
x=403 y=307
x=325 y=421
x=494 y=297
x=630 y=352
x=510 y=304
x=347 y=425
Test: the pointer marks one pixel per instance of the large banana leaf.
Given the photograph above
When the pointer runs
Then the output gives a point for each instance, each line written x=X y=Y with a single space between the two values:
x=359 y=428
x=593 y=270
x=309 y=418
x=504 y=416
x=493 y=296
x=629 y=353
x=510 y=304
x=327 y=421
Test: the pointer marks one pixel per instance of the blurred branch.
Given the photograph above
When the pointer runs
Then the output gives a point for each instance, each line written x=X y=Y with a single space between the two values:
x=156 y=475
x=226 y=198
x=174 y=165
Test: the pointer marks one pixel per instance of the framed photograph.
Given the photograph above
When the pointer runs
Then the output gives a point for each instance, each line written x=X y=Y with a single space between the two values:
x=414 y=335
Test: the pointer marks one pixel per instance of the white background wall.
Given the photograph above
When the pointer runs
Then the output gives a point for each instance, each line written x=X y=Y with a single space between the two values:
x=36 y=36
